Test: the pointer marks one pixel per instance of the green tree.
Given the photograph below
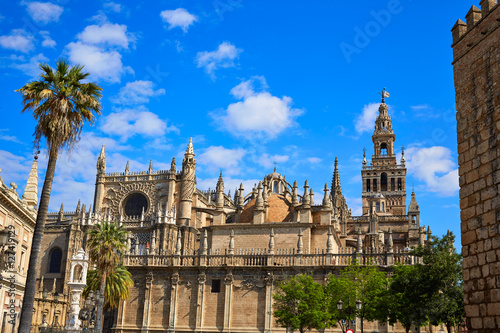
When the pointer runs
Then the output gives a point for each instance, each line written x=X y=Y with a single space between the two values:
x=61 y=102
x=118 y=284
x=442 y=269
x=366 y=285
x=106 y=244
x=407 y=299
x=300 y=304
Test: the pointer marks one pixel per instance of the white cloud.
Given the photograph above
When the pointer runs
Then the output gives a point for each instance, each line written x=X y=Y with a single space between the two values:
x=137 y=92
x=101 y=64
x=32 y=67
x=128 y=122
x=267 y=161
x=435 y=167
x=365 y=122
x=259 y=114
x=18 y=40
x=112 y=6
x=44 y=12
x=178 y=18
x=218 y=157
x=223 y=57
x=47 y=41
x=314 y=160
x=106 y=34
x=419 y=107
x=356 y=205
x=14 y=169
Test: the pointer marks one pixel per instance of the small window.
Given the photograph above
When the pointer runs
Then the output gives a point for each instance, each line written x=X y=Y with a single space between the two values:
x=215 y=286
x=55 y=261
x=368 y=185
x=375 y=185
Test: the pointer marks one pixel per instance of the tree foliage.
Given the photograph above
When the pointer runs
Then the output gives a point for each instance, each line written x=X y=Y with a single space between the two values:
x=61 y=102
x=300 y=304
x=356 y=283
x=118 y=284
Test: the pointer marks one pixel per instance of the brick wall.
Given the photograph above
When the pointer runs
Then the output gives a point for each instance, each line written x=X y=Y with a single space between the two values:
x=476 y=70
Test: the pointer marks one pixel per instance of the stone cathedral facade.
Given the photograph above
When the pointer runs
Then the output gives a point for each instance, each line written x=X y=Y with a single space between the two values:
x=206 y=261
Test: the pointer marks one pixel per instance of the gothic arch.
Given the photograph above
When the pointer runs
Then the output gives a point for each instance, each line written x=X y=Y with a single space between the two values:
x=55 y=260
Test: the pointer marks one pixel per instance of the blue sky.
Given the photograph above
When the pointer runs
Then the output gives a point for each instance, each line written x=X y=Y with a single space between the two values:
x=253 y=82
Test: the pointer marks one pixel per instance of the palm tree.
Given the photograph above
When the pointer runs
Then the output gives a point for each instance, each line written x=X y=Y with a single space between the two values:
x=106 y=245
x=117 y=287
x=61 y=103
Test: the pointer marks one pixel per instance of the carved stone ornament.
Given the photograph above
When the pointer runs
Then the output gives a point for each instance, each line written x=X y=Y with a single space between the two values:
x=116 y=196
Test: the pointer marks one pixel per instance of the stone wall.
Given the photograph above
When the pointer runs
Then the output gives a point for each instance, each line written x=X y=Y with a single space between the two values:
x=476 y=52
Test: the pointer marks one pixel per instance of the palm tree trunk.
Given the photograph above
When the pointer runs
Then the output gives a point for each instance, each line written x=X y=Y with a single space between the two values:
x=100 y=305
x=30 y=288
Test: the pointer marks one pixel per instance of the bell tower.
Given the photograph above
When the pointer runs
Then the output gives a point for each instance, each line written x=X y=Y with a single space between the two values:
x=384 y=175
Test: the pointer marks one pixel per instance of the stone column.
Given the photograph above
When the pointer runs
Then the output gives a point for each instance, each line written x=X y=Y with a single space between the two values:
x=147 y=301
x=173 y=302
x=228 y=281
x=268 y=321
x=202 y=278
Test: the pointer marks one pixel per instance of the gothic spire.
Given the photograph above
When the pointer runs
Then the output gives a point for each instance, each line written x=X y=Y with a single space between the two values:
x=189 y=149
x=336 y=187
x=30 y=195
x=413 y=203
x=101 y=161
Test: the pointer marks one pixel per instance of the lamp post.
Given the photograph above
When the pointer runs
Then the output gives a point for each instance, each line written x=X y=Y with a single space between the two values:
x=348 y=311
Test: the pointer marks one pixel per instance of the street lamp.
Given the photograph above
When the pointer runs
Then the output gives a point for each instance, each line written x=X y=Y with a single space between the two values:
x=346 y=323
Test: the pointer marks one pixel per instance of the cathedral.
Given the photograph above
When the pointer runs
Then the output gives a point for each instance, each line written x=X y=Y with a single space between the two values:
x=206 y=261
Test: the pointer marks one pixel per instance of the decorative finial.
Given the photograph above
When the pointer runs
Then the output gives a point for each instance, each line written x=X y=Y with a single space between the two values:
x=275 y=164
x=385 y=94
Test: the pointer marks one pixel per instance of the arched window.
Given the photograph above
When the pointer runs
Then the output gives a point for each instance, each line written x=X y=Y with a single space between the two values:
x=55 y=258
x=368 y=185
x=399 y=185
x=378 y=207
x=375 y=185
x=275 y=187
x=383 y=181
x=393 y=184
x=383 y=149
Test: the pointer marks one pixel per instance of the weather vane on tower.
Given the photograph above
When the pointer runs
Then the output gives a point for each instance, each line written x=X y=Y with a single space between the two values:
x=385 y=94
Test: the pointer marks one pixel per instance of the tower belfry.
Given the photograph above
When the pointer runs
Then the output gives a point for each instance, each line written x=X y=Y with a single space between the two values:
x=384 y=175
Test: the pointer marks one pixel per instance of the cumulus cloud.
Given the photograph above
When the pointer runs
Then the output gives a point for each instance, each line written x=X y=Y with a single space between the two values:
x=137 y=92
x=18 y=40
x=113 y=7
x=102 y=64
x=31 y=67
x=129 y=122
x=258 y=114
x=43 y=12
x=267 y=161
x=314 y=160
x=178 y=18
x=215 y=158
x=365 y=122
x=435 y=167
x=223 y=57
x=106 y=34
x=47 y=41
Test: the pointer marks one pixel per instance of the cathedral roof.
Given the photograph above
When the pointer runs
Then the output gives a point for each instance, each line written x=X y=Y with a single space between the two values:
x=279 y=210
x=274 y=175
